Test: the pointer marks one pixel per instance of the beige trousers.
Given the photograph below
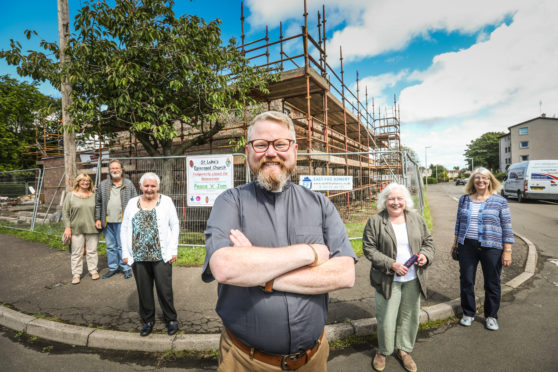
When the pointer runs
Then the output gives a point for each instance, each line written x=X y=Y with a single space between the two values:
x=232 y=359
x=90 y=242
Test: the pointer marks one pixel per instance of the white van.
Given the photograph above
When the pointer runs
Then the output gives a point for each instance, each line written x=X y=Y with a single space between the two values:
x=533 y=180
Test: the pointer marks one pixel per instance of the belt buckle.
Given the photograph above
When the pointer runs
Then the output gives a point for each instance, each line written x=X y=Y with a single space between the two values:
x=291 y=358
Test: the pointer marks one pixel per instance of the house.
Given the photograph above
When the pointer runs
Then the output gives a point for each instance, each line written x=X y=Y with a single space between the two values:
x=534 y=139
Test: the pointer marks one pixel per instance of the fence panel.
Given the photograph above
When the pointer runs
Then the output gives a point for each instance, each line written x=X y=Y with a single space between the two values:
x=173 y=174
x=18 y=202
x=354 y=206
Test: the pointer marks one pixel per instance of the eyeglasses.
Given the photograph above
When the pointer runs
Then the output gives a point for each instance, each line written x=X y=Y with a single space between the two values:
x=399 y=199
x=279 y=144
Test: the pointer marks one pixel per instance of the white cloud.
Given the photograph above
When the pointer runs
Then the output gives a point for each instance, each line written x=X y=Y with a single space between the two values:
x=271 y=12
x=496 y=83
x=389 y=25
x=506 y=74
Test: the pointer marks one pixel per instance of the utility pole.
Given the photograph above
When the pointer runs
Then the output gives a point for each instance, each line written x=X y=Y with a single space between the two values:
x=66 y=88
x=426 y=164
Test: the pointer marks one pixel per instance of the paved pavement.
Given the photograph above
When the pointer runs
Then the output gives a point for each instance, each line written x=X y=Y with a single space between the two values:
x=39 y=299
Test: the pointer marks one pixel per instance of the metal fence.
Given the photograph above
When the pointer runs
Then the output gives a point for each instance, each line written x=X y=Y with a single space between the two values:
x=18 y=201
x=354 y=206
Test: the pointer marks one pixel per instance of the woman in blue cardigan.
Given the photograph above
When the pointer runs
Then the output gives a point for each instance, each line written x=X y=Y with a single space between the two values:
x=483 y=232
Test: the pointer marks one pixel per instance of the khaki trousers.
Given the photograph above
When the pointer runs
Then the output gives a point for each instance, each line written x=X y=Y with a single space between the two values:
x=232 y=359
x=90 y=242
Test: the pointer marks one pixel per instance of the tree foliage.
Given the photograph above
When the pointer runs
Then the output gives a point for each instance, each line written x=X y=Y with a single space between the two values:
x=136 y=67
x=412 y=153
x=485 y=150
x=21 y=104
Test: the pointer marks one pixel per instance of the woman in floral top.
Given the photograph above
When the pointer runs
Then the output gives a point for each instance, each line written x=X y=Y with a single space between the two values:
x=149 y=236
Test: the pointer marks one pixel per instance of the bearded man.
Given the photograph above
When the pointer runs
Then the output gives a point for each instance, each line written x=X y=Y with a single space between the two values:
x=111 y=199
x=276 y=249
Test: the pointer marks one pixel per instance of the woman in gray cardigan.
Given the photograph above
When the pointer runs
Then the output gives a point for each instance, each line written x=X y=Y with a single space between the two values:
x=390 y=238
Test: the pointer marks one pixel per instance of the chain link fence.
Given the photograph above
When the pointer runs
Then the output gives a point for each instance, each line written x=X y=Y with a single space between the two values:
x=355 y=206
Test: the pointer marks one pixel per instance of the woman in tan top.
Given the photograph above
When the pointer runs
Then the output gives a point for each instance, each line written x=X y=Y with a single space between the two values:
x=79 y=218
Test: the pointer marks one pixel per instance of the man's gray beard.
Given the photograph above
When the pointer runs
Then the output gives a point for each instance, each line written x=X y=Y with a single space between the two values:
x=274 y=182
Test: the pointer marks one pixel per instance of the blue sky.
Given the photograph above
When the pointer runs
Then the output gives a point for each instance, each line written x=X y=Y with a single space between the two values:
x=458 y=69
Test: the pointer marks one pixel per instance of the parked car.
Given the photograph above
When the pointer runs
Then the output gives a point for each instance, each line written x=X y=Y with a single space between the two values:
x=460 y=181
x=533 y=180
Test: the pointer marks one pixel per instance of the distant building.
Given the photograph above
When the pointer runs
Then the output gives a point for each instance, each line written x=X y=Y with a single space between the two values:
x=505 y=151
x=533 y=139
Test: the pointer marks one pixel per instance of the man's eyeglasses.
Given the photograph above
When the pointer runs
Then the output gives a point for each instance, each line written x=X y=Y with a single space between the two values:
x=280 y=144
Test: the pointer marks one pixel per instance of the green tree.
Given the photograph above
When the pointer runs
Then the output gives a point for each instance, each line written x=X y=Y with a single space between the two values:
x=412 y=153
x=21 y=104
x=137 y=67
x=439 y=172
x=484 y=150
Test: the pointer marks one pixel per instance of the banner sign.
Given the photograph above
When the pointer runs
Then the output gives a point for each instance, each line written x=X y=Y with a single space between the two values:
x=207 y=177
x=325 y=183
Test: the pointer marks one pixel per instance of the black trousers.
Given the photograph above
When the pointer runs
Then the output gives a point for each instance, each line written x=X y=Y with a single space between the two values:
x=160 y=272
x=491 y=262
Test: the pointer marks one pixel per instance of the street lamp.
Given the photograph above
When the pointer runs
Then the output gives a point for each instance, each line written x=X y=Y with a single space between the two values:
x=426 y=164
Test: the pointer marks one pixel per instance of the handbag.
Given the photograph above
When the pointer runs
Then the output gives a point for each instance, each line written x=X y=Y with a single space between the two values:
x=67 y=241
x=455 y=252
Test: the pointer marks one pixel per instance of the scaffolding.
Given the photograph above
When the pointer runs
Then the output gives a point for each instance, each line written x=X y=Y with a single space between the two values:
x=329 y=117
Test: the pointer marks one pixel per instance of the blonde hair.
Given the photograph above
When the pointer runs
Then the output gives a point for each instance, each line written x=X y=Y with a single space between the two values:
x=494 y=186
x=80 y=177
x=275 y=116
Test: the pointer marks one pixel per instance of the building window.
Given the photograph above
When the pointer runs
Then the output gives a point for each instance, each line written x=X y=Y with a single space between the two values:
x=524 y=157
x=524 y=144
x=524 y=130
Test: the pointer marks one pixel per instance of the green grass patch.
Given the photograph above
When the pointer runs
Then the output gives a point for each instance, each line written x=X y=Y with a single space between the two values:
x=350 y=341
x=190 y=256
x=436 y=323
x=427 y=216
x=36 y=236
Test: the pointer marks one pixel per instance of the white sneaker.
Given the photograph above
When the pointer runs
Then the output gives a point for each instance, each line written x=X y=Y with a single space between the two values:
x=491 y=323
x=466 y=320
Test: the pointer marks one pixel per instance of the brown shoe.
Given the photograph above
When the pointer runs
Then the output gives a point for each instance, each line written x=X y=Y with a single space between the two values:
x=407 y=360
x=379 y=362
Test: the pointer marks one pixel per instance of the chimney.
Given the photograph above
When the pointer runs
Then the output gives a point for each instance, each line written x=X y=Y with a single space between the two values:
x=543 y=115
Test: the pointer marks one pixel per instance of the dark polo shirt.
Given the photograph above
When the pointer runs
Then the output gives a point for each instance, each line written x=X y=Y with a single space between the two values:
x=277 y=322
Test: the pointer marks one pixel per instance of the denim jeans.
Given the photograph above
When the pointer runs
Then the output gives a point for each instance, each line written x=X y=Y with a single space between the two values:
x=114 y=247
x=491 y=262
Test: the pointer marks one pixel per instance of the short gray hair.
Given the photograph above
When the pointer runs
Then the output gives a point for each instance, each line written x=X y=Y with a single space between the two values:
x=382 y=197
x=275 y=116
x=150 y=176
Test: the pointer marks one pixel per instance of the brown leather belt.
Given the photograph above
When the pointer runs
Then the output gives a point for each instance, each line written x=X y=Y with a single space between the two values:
x=287 y=362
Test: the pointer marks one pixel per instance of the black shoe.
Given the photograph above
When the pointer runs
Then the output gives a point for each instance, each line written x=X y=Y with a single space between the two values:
x=172 y=327
x=127 y=274
x=147 y=328
x=109 y=274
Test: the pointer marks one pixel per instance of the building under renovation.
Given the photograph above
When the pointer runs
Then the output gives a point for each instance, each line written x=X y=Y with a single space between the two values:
x=339 y=130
